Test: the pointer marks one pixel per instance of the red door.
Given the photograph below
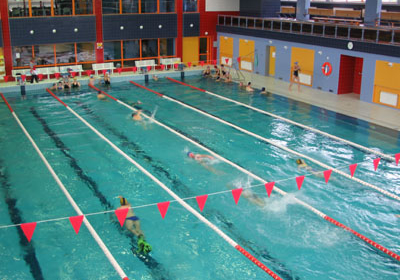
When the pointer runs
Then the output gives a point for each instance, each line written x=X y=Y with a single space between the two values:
x=350 y=74
x=358 y=67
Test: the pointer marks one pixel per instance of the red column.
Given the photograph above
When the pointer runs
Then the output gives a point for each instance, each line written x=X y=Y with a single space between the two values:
x=179 y=42
x=8 y=58
x=99 y=31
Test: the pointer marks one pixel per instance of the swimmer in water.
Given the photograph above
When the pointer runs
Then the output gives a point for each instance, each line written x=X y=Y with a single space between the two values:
x=132 y=223
x=101 y=96
x=137 y=116
x=301 y=164
x=249 y=195
x=203 y=160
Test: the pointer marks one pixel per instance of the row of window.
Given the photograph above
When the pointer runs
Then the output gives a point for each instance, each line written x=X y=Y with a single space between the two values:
x=123 y=53
x=33 y=8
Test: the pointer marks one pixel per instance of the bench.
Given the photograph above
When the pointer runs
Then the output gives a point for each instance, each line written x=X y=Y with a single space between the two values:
x=337 y=20
x=392 y=18
x=42 y=70
x=74 y=68
x=143 y=64
x=103 y=66
x=320 y=12
x=287 y=11
x=170 y=61
x=347 y=13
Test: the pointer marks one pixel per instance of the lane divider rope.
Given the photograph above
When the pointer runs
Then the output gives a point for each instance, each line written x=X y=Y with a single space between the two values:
x=169 y=191
x=389 y=157
x=254 y=176
x=276 y=144
x=92 y=231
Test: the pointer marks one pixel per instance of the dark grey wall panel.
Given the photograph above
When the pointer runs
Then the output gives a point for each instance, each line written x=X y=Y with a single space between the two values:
x=373 y=48
x=1 y=35
x=43 y=30
x=191 y=25
x=131 y=26
x=260 y=8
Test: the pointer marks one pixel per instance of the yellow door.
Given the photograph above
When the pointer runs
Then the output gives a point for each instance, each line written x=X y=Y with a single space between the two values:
x=225 y=49
x=246 y=53
x=305 y=58
x=190 y=49
x=386 y=84
x=272 y=59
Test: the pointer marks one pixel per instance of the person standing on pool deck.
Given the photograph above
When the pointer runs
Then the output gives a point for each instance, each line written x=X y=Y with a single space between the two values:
x=295 y=78
x=132 y=223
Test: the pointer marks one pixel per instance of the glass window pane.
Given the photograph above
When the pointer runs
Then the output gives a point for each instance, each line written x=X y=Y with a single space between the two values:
x=62 y=7
x=167 y=6
x=150 y=48
x=149 y=6
x=130 y=6
x=111 y=6
x=44 y=54
x=18 y=8
x=83 y=7
x=190 y=5
x=131 y=49
x=203 y=45
x=112 y=50
x=129 y=63
x=85 y=52
x=167 y=47
x=65 y=53
x=22 y=56
x=41 y=8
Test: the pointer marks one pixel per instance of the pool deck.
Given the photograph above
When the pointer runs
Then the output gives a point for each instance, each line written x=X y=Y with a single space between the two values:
x=347 y=104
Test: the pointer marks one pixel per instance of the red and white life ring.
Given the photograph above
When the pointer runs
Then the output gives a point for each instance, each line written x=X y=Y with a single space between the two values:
x=326 y=68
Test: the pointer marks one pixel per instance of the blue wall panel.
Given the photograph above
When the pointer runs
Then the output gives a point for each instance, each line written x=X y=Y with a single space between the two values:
x=194 y=20
x=131 y=26
x=43 y=30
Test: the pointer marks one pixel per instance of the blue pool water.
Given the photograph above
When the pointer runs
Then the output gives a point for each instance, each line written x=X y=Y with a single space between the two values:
x=289 y=239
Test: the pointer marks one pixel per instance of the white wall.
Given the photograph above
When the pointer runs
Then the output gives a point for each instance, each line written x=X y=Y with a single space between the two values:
x=222 y=5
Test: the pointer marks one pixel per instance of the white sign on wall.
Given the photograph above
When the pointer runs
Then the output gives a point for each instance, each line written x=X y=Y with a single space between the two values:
x=222 y=5
x=388 y=98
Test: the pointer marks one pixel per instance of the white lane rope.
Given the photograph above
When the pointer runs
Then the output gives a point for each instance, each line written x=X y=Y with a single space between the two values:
x=92 y=231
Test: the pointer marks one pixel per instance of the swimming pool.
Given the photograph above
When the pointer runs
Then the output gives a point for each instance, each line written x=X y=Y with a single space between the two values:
x=292 y=241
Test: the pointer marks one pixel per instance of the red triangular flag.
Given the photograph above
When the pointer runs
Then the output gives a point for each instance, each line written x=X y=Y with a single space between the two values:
x=76 y=222
x=162 y=66
x=6 y=78
x=353 y=168
x=57 y=75
x=119 y=70
x=104 y=71
x=40 y=77
x=189 y=64
x=28 y=229
x=238 y=59
x=214 y=62
x=226 y=60
x=121 y=215
x=327 y=174
x=73 y=74
x=300 y=181
x=23 y=77
x=134 y=68
x=163 y=208
x=201 y=201
x=269 y=186
x=376 y=163
x=88 y=72
x=149 y=68
x=176 y=66
x=397 y=158
x=202 y=63
x=236 y=194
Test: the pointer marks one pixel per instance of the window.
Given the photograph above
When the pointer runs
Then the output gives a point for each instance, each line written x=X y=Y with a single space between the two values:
x=131 y=49
x=130 y=6
x=110 y=6
x=44 y=54
x=203 y=49
x=189 y=5
x=149 y=6
x=62 y=7
x=112 y=50
x=22 y=56
x=167 y=6
x=83 y=7
x=65 y=53
x=150 y=48
x=85 y=52
x=41 y=8
x=18 y=8
x=167 y=47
